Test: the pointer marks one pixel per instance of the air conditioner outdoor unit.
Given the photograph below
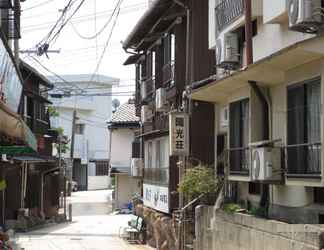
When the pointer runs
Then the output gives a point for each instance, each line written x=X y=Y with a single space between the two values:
x=305 y=15
x=227 y=51
x=146 y=113
x=137 y=167
x=224 y=117
x=160 y=100
x=266 y=164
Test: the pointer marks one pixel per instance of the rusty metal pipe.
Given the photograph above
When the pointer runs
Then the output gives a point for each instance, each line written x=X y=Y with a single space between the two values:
x=248 y=31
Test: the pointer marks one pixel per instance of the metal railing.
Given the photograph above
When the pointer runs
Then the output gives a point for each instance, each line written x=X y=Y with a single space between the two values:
x=239 y=160
x=304 y=160
x=168 y=74
x=226 y=12
x=156 y=175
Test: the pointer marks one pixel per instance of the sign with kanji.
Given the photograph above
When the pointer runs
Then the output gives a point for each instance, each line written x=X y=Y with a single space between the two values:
x=179 y=133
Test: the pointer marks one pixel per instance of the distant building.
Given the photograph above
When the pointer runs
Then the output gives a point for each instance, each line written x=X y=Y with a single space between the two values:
x=91 y=136
x=123 y=127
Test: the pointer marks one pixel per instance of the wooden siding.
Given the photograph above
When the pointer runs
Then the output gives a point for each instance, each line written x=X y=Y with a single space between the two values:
x=202 y=59
x=202 y=132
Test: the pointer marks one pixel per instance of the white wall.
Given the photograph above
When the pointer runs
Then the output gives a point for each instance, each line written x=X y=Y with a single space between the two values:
x=126 y=187
x=98 y=182
x=91 y=111
x=121 y=147
x=271 y=37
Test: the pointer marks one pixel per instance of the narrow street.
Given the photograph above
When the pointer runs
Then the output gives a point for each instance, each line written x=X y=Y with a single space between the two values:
x=93 y=228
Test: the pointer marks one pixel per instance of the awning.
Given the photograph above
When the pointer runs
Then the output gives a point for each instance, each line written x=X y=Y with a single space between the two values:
x=266 y=72
x=120 y=170
x=154 y=133
x=132 y=59
x=32 y=159
x=15 y=129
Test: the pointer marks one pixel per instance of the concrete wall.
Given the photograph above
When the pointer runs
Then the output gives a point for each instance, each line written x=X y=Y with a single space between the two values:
x=290 y=199
x=126 y=187
x=91 y=111
x=98 y=182
x=241 y=231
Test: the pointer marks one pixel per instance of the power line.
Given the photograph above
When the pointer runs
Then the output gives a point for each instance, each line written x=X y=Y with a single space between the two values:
x=77 y=20
x=108 y=40
x=101 y=30
x=38 y=5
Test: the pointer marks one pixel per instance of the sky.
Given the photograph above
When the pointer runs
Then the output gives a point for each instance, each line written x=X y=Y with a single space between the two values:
x=78 y=55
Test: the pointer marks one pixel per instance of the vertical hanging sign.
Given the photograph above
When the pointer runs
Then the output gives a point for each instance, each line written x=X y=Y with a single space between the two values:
x=179 y=133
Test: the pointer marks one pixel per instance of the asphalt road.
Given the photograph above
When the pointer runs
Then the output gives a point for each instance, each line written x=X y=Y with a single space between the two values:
x=93 y=227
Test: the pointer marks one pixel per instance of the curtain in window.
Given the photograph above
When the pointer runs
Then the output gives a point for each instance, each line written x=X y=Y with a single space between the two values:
x=313 y=125
x=296 y=129
x=235 y=135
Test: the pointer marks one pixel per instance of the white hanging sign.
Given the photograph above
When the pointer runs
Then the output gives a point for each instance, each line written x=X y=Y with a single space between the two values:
x=179 y=133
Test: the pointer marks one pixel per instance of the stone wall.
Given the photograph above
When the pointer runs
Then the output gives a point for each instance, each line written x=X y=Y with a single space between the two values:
x=246 y=232
x=160 y=228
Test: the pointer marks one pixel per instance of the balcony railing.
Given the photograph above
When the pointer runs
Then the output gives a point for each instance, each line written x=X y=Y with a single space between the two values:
x=227 y=12
x=239 y=160
x=156 y=176
x=168 y=74
x=304 y=160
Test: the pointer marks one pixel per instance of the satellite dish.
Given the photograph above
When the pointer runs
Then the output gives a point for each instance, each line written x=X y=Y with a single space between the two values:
x=115 y=104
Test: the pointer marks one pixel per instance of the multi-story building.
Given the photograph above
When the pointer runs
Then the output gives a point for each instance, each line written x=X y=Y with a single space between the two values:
x=93 y=110
x=268 y=95
x=165 y=50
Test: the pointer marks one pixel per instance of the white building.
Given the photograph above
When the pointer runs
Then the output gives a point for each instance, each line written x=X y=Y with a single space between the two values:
x=123 y=127
x=92 y=101
x=285 y=80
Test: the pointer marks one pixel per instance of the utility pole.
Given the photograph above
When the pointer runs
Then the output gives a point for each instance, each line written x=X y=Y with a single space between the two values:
x=17 y=13
x=72 y=144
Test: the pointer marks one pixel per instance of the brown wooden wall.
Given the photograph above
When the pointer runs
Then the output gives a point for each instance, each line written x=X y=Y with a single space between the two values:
x=202 y=60
x=202 y=132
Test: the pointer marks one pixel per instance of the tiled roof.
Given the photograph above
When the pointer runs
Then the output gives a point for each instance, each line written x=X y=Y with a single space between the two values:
x=125 y=114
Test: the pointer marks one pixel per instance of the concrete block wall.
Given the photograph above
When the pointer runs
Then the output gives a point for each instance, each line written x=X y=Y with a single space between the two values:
x=246 y=232
x=203 y=232
x=217 y=230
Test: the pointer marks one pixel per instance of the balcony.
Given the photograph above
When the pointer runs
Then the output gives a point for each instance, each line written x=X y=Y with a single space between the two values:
x=147 y=88
x=157 y=176
x=239 y=159
x=304 y=160
x=227 y=12
x=168 y=75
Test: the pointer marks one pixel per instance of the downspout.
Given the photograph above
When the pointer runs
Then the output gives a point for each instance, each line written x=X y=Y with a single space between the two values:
x=265 y=196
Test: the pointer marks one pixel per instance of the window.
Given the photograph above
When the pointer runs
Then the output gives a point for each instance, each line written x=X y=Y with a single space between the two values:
x=169 y=52
x=319 y=195
x=102 y=168
x=239 y=137
x=303 y=128
x=79 y=129
x=254 y=188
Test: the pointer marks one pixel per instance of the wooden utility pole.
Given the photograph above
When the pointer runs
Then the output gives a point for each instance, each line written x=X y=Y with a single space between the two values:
x=72 y=146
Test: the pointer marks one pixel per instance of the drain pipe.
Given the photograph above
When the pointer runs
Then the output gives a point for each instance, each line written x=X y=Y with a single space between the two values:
x=265 y=188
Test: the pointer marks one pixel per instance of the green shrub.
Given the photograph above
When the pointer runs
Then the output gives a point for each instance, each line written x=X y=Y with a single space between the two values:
x=197 y=181
x=231 y=208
